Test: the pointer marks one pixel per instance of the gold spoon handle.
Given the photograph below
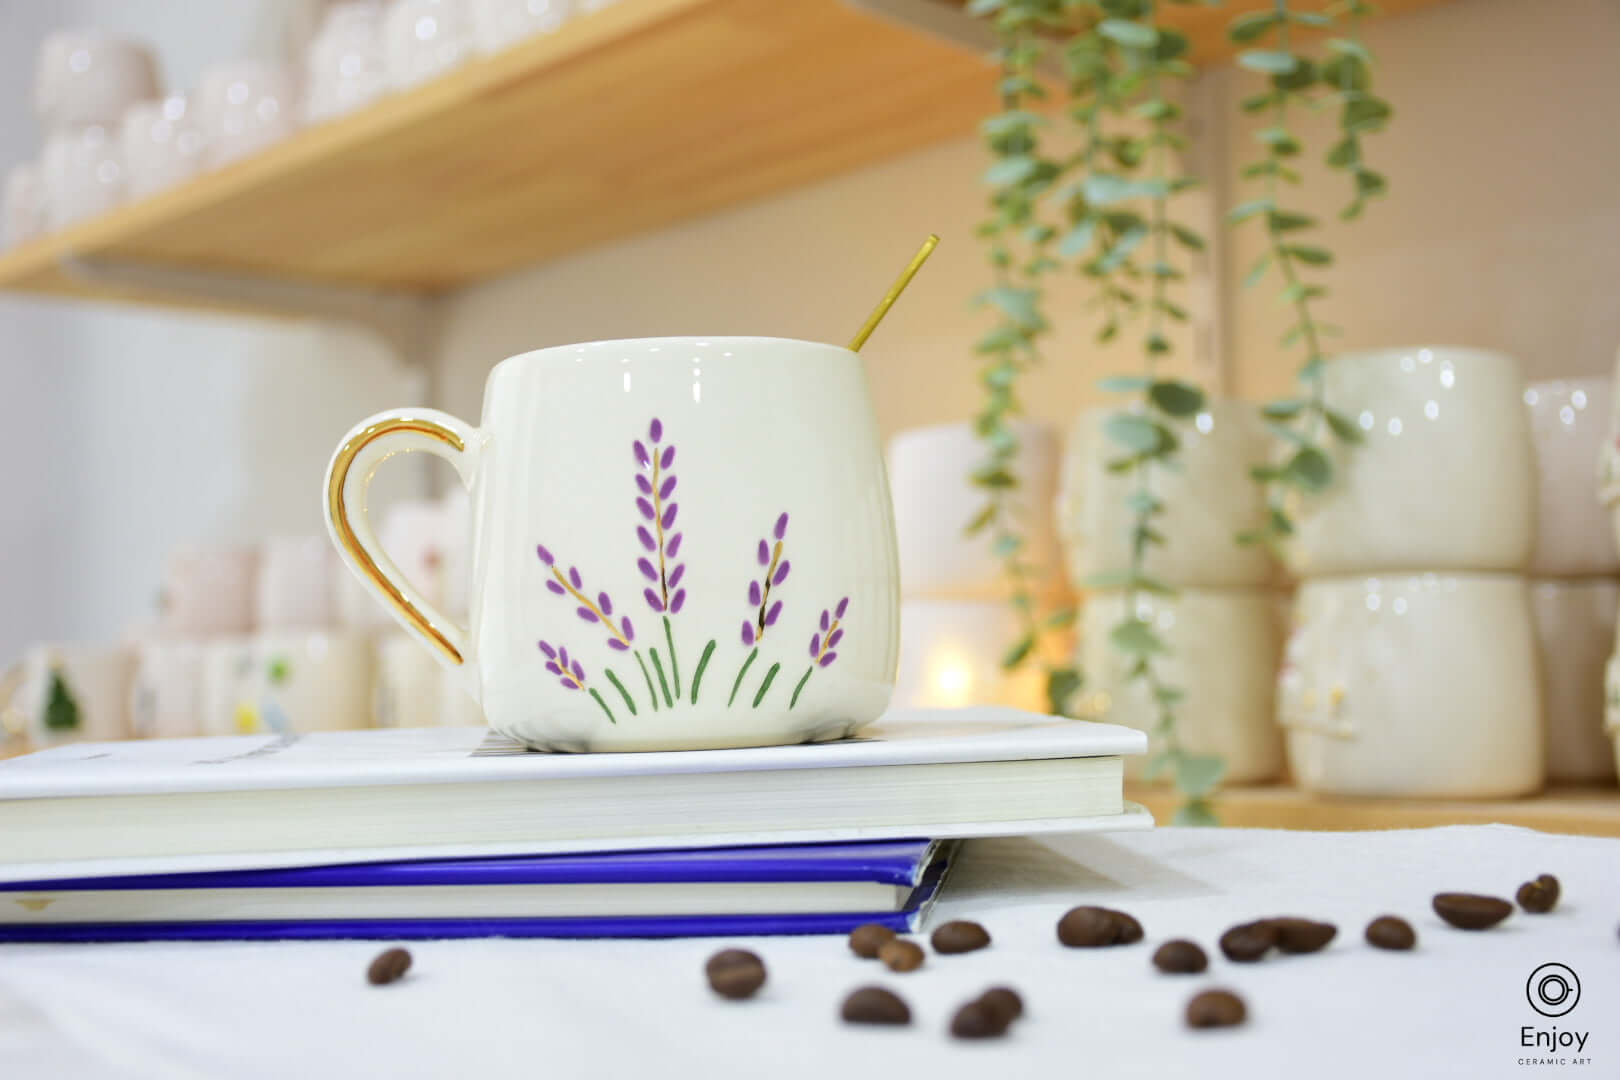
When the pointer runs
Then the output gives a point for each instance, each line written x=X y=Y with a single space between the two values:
x=894 y=292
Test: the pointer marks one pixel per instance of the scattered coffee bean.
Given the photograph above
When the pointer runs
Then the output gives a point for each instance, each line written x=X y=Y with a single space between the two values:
x=1215 y=1008
x=976 y=1020
x=865 y=941
x=1469 y=911
x=389 y=966
x=901 y=955
x=1391 y=932
x=1180 y=957
x=1246 y=943
x=1089 y=927
x=1302 y=935
x=875 y=1005
x=1004 y=1002
x=960 y=936
x=1539 y=896
x=735 y=973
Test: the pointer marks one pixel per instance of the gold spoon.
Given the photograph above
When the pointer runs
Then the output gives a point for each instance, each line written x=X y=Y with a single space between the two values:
x=894 y=292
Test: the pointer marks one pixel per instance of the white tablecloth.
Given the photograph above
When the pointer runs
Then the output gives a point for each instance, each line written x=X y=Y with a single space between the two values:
x=554 y=1009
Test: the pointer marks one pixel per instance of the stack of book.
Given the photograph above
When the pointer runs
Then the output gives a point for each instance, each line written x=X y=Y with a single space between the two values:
x=448 y=832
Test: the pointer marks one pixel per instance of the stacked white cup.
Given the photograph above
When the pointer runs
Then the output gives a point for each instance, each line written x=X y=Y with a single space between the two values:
x=1411 y=666
x=1609 y=501
x=1223 y=625
x=956 y=622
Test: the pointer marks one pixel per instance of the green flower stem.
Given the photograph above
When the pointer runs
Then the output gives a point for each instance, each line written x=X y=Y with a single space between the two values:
x=604 y=705
x=735 y=686
x=619 y=686
x=674 y=664
x=659 y=668
x=797 y=690
x=651 y=693
x=765 y=685
x=703 y=664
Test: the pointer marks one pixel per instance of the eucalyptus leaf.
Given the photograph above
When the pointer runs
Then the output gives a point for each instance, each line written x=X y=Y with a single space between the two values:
x=1011 y=170
x=1124 y=384
x=1364 y=113
x=1312 y=256
x=1136 y=637
x=1257 y=271
x=1251 y=27
x=1344 y=154
x=980 y=521
x=1198 y=774
x=1007 y=544
x=1062 y=684
x=1270 y=62
x=1347 y=47
x=1289 y=221
x=1196 y=813
x=1018 y=653
x=1143 y=502
x=1078 y=239
x=1245 y=211
x=1283 y=410
x=1061 y=619
x=1132 y=35
x=1343 y=426
x=1176 y=398
x=1309 y=469
x=1187 y=238
x=1133 y=432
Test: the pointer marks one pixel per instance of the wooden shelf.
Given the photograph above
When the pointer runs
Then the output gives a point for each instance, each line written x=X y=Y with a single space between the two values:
x=1591 y=811
x=634 y=117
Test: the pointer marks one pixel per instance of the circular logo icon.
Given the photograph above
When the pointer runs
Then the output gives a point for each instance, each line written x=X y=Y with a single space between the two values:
x=1553 y=989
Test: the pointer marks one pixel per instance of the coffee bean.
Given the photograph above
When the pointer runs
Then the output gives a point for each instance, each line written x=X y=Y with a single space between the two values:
x=735 y=973
x=1246 y=943
x=389 y=966
x=875 y=1005
x=1468 y=911
x=865 y=941
x=1215 y=1008
x=1539 y=896
x=976 y=1020
x=1180 y=957
x=1004 y=1002
x=899 y=955
x=1391 y=932
x=1302 y=935
x=1090 y=927
x=960 y=936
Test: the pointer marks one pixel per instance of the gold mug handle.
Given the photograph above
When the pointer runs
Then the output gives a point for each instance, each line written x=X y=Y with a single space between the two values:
x=348 y=480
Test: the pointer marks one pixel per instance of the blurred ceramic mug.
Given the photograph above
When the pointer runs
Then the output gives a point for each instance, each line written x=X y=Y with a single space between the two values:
x=165 y=699
x=294 y=586
x=67 y=693
x=1574 y=623
x=344 y=68
x=1413 y=685
x=1443 y=477
x=423 y=39
x=209 y=590
x=162 y=145
x=1569 y=424
x=1208 y=500
x=89 y=77
x=83 y=173
x=22 y=212
x=498 y=24
x=244 y=106
x=595 y=624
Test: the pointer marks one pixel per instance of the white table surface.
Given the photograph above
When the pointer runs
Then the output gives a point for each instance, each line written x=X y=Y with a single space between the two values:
x=549 y=1009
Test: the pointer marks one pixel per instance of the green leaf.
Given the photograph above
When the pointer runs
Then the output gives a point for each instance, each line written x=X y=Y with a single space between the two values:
x=1281 y=141
x=1280 y=523
x=1187 y=238
x=1144 y=502
x=1288 y=221
x=1364 y=114
x=1300 y=78
x=1017 y=304
x=1369 y=183
x=999 y=339
x=994 y=478
x=1061 y=619
x=1344 y=153
x=1132 y=35
x=1346 y=74
x=1264 y=474
x=1342 y=426
x=1347 y=47
x=1258 y=102
x=985 y=7
x=1195 y=813
x=1257 y=271
x=1124 y=384
x=1251 y=27
x=980 y=521
x=1006 y=545
x=1176 y=398
x=1287 y=434
x=1011 y=170
x=1122 y=250
x=1012 y=120
x=1019 y=86
x=1310 y=18
x=1108 y=579
x=1062 y=684
x=1285 y=409
x=1198 y=774
x=1168 y=695
x=61 y=710
x=1171 y=46
x=1102 y=189
x=1135 y=637
x=1311 y=256
x=1309 y=469
x=1018 y=653
x=1269 y=62
x=1245 y=211
x=1078 y=240
x=1153 y=585
x=1134 y=432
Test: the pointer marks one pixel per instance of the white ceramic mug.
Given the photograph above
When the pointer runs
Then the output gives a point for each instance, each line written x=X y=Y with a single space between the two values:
x=166 y=698
x=83 y=173
x=344 y=67
x=67 y=693
x=753 y=603
x=294 y=590
x=1413 y=685
x=499 y=24
x=1574 y=623
x=162 y=145
x=950 y=656
x=1569 y=424
x=1209 y=499
x=1443 y=478
x=87 y=77
x=1223 y=648
x=405 y=693
x=933 y=504
x=22 y=212
x=244 y=106
x=423 y=39
x=228 y=692
x=209 y=590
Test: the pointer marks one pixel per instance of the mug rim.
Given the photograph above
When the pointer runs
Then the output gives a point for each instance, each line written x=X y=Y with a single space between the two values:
x=676 y=340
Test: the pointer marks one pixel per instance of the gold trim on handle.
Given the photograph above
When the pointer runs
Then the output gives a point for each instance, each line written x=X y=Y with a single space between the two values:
x=345 y=532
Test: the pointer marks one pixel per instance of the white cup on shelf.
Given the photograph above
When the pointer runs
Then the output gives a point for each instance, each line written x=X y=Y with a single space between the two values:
x=1569 y=425
x=344 y=66
x=83 y=171
x=294 y=587
x=87 y=78
x=22 y=206
x=1209 y=499
x=1223 y=646
x=306 y=682
x=934 y=501
x=1574 y=623
x=500 y=24
x=1443 y=478
x=423 y=39
x=228 y=694
x=60 y=693
x=244 y=106
x=209 y=591
x=162 y=145
x=950 y=656
x=1413 y=685
x=166 y=697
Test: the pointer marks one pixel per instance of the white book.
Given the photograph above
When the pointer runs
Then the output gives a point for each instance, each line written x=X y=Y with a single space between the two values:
x=237 y=802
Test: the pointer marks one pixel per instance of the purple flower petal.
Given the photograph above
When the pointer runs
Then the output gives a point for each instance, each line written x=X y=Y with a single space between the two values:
x=645 y=507
x=552 y=667
x=562 y=657
x=647 y=569
x=677 y=600
x=548 y=650
x=843 y=606
x=579 y=672
x=545 y=556
x=643 y=484
x=829 y=658
x=629 y=631
x=837 y=636
x=655 y=430
x=764 y=554
x=753 y=594
x=669 y=515
x=815 y=645
x=669 y=457
x=781 y=526
x=673 y=545
x=824 y=620
x=570 y=685
x=573 y=576
x=652 y=600
x=770 y=616
x=646 y=538
x=675 y=578
x=748 y=633
x=781 y=573
x=666 y=488
x=605 y=603
x=556 y=587
x=641 y=454
x=616 y=644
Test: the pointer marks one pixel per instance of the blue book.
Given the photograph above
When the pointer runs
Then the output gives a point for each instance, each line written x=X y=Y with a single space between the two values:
x=789 y=889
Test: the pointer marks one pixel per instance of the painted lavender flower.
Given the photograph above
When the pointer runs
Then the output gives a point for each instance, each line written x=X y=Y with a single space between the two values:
x=571 y=673
x=775 y=571
x=655 y=485
x=621 y=636
x=823 y=644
